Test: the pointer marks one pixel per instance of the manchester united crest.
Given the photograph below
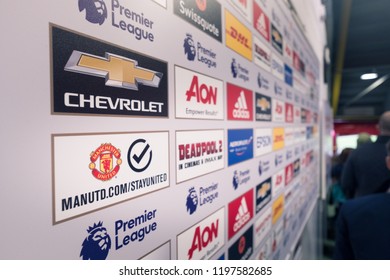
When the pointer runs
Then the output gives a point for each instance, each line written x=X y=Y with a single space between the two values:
x=105 y=162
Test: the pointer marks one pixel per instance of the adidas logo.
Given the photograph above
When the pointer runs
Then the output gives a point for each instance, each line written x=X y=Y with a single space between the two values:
x=289 y=114
x=243 y=215
x=261 y=26
x=240 y=110
x=289 y=173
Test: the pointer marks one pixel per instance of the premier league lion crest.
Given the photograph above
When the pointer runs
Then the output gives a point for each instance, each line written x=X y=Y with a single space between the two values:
x=259 y=82
x=236 y=180
x=95 y=10
x=97 y=244
x=192 y=201
x=189 y=47
x=234 y=68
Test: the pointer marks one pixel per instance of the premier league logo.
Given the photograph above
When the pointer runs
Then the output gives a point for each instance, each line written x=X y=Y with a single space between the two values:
x=234 y=68
x=192 y=201
x=95 y=10
x=236 y=180
x=189 y=47
x=97 y=244
x=260 y=168
x=259 y=82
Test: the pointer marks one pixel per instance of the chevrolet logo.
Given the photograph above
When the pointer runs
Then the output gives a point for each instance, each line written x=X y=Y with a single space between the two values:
x=264 y=104
x=262 y=192
x=118 y=71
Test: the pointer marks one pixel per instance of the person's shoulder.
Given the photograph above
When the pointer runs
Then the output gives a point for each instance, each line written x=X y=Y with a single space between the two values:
x=365 y=149
x=360 y=203
x=366 y=146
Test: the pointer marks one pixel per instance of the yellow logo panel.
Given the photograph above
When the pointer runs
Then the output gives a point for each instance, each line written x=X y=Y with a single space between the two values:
x=238 y=37
x=277 y=209
x=278 y=138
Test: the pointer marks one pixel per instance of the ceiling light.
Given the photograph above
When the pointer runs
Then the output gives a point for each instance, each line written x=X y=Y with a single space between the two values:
x=369 y=76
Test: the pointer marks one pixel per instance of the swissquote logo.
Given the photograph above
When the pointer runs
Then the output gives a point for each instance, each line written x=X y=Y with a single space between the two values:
x=94 y=77
x=136 y=24
x=204 y=15
x=202 y=5
x=240 y=212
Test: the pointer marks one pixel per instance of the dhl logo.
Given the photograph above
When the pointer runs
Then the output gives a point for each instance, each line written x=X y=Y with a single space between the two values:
x=238 y=37
x=277 y=209
x=278 y=136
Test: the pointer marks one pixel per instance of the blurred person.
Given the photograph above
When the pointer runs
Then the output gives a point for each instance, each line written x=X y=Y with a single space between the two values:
x=337 y=196
x=363 y=138
x=365 y=170
x=362 y=228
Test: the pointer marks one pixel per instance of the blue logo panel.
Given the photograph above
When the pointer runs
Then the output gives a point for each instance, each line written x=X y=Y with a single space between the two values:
x=240 y=145
x=288 y=75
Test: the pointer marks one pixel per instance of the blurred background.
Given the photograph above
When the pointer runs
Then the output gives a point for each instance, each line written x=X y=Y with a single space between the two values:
x=357 y=67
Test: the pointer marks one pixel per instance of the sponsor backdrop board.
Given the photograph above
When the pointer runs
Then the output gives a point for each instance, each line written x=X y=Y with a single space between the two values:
x=158 y=129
